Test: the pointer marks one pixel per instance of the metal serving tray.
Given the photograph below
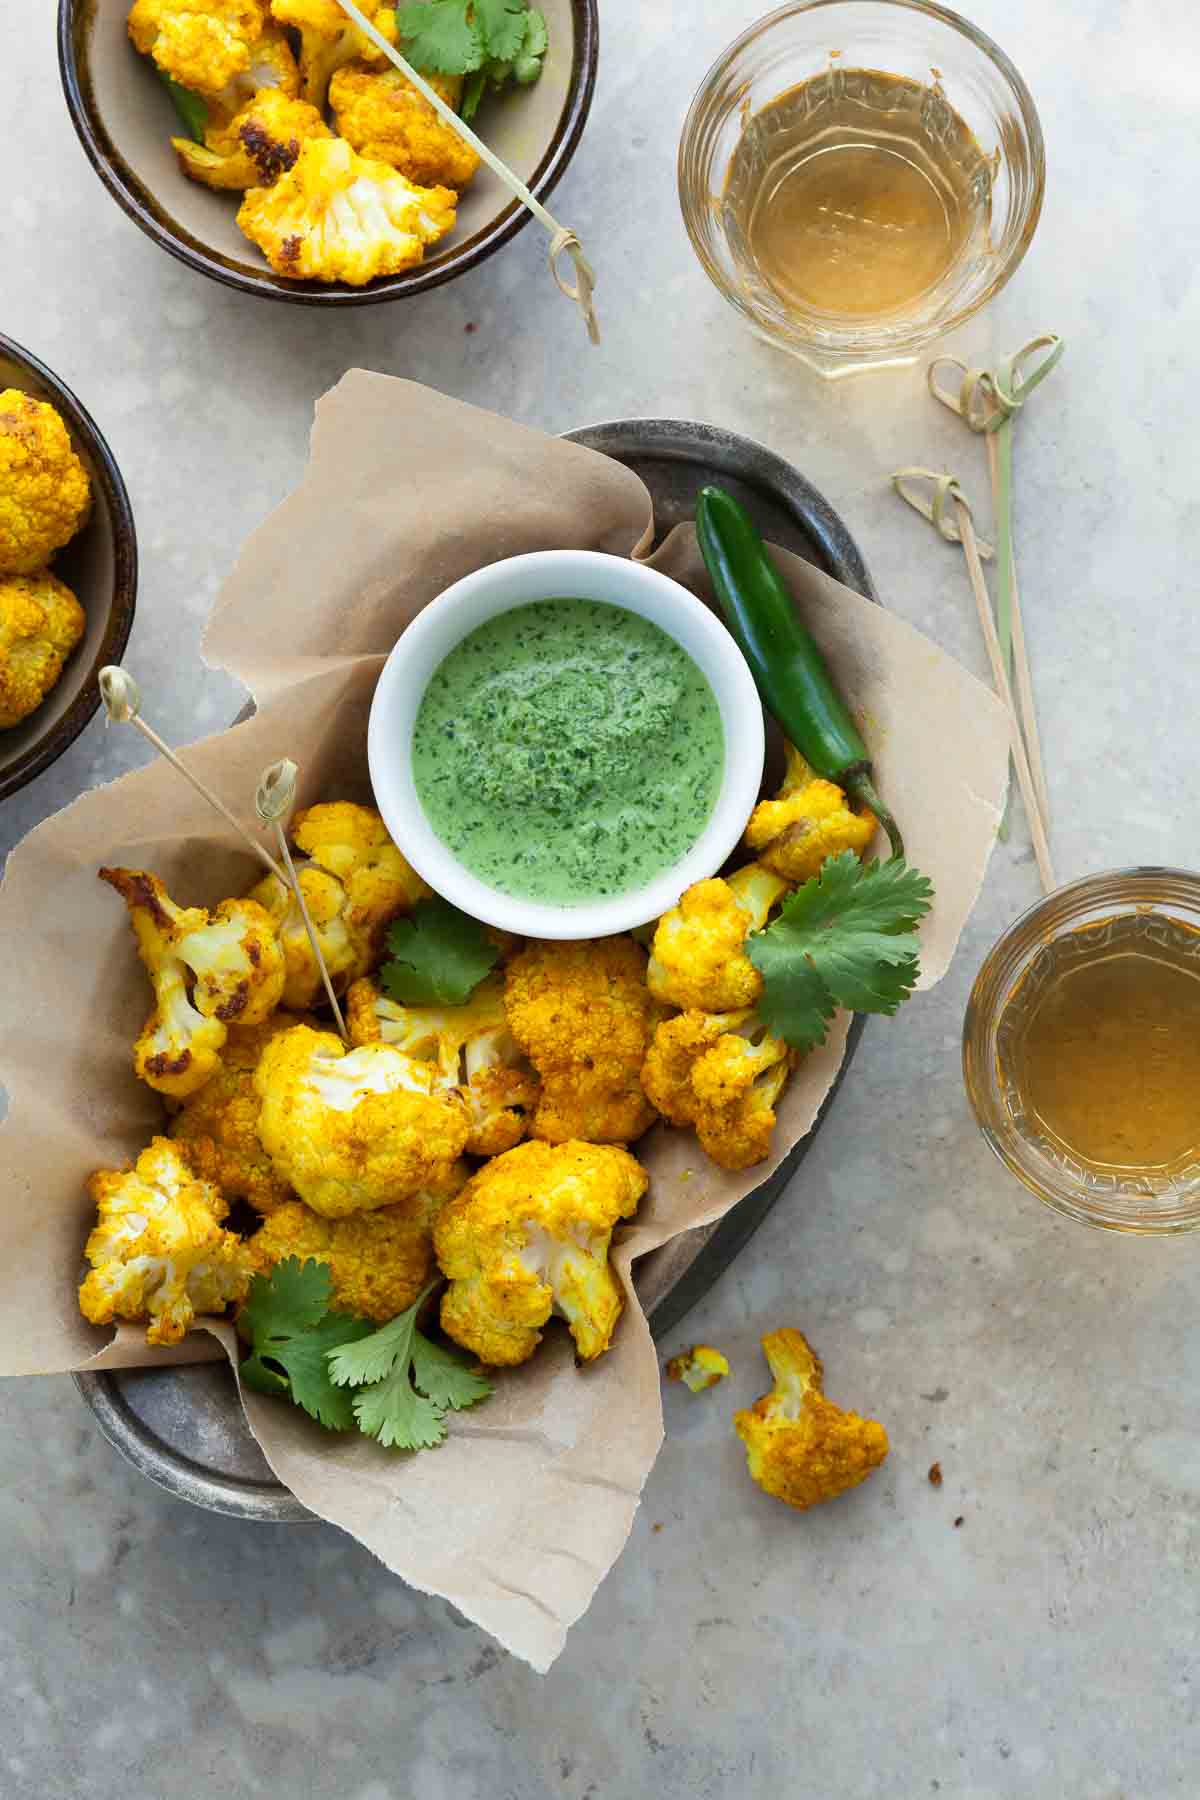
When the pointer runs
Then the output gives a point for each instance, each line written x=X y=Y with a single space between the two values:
x=184 y=1427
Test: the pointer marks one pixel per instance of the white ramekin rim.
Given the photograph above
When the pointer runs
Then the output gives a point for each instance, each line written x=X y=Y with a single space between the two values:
x=518 y=581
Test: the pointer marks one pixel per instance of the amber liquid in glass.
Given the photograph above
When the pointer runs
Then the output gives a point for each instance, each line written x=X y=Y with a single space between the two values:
x=1104 y=1049
x=855 y=194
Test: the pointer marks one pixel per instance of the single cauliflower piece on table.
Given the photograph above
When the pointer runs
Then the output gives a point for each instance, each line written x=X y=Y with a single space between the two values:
x=45 y=493
x=383 y=116
x=337 y=217
x=808 y=820
x=158 y=1251
x=723 y=1074
x=800 y=1447
x=473 y=1049
x=329 y=39
x=217 y=1127
x=527 y=1237
x=41 y=622
x=583 y=1015
x=261 y=142
x=699 y=1368
x=380 y=1262
x=698 y=958
x=355 y=1129
x=202 y=44
x=232 y=962
x=355 y=882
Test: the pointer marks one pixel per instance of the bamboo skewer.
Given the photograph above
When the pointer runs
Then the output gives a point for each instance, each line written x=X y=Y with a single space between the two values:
x=561 y=236
x=273 y=802
x=122 y=705
x=1020 y=657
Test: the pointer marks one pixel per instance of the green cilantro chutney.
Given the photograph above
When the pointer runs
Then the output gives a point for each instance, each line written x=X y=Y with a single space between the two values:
x=568 y=751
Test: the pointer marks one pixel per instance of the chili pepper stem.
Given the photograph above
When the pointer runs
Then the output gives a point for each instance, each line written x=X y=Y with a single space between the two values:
x=864 y=790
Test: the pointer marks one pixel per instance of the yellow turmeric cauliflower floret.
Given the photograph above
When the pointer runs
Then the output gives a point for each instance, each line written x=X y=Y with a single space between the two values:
x=473 y=1049
x=528 y=1236
x=380 y=1261
x=808 y=820
x=329 y=39
x=355 y=1129
x=337 y=217
x=699 y=1368
x=45 y=494
x=202 y=44
x=800 y=1447
x=217 y=1127
x=698 y=957
x=721 y=1073
x=381 y=113
x=583 y=1015
x=260 y=143
x=158 y=1251
x=232 y=963
x=355 y=882
x=41 y=622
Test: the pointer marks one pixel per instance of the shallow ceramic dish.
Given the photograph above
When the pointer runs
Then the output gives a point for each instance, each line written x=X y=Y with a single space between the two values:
x=125 y=122
x=99 y=566
x=184 y=1428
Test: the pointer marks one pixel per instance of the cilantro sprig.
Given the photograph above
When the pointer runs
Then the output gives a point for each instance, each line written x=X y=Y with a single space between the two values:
x=847 y=938
x=391 y=1381
x=439 y=956
x=488 y=41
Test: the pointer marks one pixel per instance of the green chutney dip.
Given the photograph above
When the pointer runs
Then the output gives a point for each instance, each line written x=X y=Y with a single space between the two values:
x=568 y=751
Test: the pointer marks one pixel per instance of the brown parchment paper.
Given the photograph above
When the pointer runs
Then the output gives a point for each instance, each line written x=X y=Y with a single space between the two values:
x=520 y=1515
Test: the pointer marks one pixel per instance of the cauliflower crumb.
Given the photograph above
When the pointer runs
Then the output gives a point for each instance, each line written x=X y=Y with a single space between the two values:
x=45 y=493
x=699 y=1368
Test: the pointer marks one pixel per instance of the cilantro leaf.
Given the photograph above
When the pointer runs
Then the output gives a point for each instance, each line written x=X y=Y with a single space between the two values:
x=503 y=25
x=439 y=956
x=441 y=35
x=847 y=938
x=406 y=1384
x=473 y=92
x=291 y=1333
x=192 y=109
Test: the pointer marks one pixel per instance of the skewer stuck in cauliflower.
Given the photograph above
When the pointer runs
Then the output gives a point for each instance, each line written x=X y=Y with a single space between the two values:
x=158 y=1251
x=337 y=217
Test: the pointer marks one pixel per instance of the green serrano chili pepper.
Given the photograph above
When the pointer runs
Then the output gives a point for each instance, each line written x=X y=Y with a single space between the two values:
x=789 y=669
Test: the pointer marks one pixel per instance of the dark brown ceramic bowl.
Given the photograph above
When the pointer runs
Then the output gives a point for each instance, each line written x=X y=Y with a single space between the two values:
x=125 y=121
x=99 y=565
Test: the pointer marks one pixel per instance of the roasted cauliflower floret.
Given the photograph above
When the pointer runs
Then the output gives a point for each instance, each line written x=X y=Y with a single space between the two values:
x=355 y=882
x=800 y=1447
x=699 y=1368
x=807 y=821
x=45 y=494
x=41 y=622
x=473 y=1048
x=158 y=1251
x=528 y=1236
x=583 y=1015
x=232 y=963
x=217 y=1128
x=381 y=113
x=355 y=1129
x=380 y=1261
x=698 y=958
x=202 y=44
x=261 y=143
x=721 y=1073
x=337 y=217
x=329 y=40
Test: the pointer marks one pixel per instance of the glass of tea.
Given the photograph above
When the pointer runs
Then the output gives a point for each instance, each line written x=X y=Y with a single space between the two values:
x=1081 y=1050
x=859 y=176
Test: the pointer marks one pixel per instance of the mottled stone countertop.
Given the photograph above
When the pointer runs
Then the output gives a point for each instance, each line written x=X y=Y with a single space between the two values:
x=1048 y=1646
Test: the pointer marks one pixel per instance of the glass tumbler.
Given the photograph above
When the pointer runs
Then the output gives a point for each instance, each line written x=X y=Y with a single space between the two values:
x=956 y=66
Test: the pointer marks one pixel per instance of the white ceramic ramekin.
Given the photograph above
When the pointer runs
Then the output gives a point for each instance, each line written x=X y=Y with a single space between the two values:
x=518 y=581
